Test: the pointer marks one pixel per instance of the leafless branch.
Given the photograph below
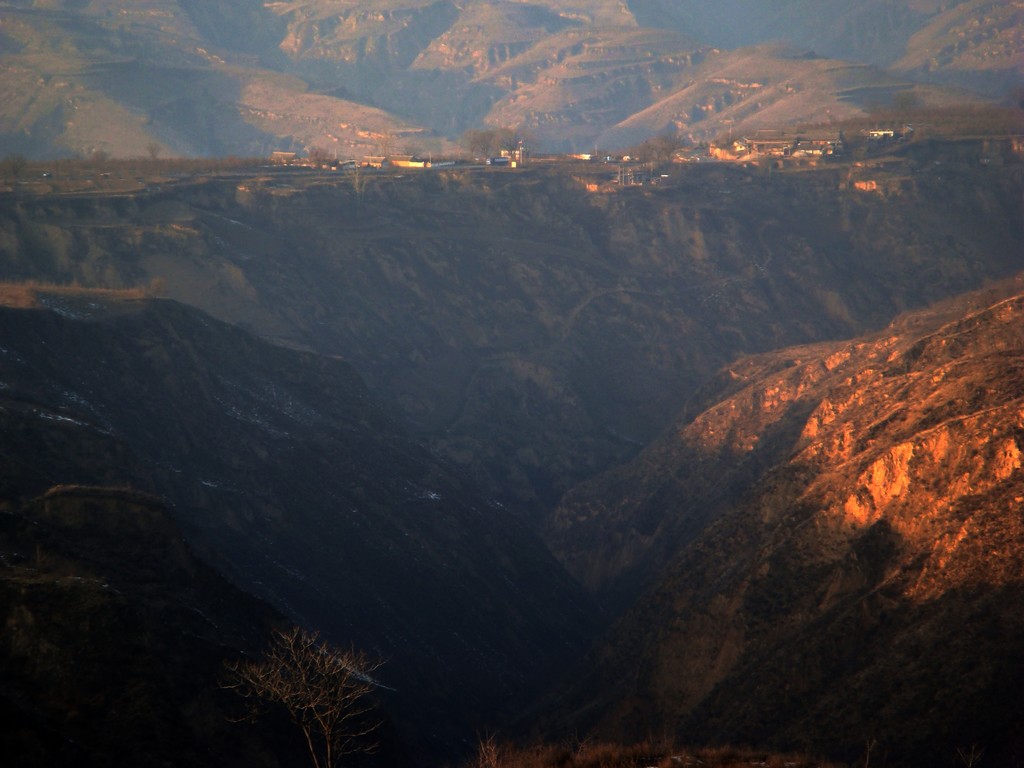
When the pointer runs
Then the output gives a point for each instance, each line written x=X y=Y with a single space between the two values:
x=325 y=690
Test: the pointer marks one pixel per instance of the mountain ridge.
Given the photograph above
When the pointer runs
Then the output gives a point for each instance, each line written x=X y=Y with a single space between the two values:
x=188 y=78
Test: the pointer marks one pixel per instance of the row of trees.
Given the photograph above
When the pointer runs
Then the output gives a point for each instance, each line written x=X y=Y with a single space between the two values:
x=15 y=163
x=657 y=150
x=15 y=166
x=489 y=142
x=478 y=142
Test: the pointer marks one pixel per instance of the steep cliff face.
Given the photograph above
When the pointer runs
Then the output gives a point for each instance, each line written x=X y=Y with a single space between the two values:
x=864 y=580
x=535 y=332
x=380 y=38
x=833 y=423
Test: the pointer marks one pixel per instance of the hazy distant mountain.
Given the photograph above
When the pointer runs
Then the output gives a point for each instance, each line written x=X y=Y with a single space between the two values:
x=977 y=44
x=864 y=583
x=973 y=44
x=123 y=81
x=878 y=32
x=223 y=77
x=739 y=92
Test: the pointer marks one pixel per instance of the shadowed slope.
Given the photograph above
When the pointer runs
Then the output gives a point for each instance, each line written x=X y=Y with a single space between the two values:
x=284 y=474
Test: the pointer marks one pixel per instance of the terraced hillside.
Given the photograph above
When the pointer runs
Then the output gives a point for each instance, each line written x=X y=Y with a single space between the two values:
x=180 y=77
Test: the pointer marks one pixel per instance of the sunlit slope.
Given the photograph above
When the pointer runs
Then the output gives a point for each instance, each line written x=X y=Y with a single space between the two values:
x=736 y=93
x=183 y=77
x=848 y=550
x=148 y=81
x=978 y=44
x=971 y=44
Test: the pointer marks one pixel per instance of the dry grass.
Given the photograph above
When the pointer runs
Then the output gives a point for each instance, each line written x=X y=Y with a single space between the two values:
x=28 y=294
x=592 y=754
x=18 y=295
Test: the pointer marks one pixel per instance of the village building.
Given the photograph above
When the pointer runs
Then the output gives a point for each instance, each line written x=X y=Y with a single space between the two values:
x=817 y=145
x=282 y=158
x=408 y=161
x=776 y=144
x=770 y=144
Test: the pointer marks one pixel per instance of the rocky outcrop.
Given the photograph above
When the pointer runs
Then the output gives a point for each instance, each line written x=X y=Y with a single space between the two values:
x=385 y=39
x=881 y=529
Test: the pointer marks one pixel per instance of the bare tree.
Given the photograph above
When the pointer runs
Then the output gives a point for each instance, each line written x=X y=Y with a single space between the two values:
x=359 y=178
x=657 y=150
x=324 y=689
x=479 y=143
x=319 y=157
x=514 y=141
x=492 y=141
x=489 y=753
x=970 y=757
x=507 y=139
x=385 y=144
x=869 y=746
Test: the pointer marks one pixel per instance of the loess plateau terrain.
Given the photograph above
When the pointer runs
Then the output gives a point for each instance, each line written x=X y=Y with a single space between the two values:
x=733 y=455
x=356 y=78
